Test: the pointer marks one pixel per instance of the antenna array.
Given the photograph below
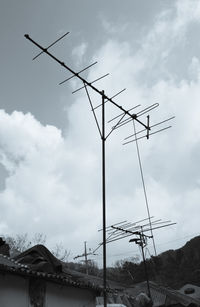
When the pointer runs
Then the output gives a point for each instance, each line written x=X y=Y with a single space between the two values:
x=126 y=229
x=122 y=119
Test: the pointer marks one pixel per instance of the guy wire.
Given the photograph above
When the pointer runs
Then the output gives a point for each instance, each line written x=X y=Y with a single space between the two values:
x=144 y=189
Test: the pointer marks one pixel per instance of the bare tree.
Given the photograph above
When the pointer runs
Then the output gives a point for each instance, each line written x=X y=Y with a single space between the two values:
x=60 y=252
x=39 y=238
x=21 y=242
x=18 y=244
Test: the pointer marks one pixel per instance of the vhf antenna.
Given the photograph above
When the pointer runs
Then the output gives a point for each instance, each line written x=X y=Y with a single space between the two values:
x=123 y=118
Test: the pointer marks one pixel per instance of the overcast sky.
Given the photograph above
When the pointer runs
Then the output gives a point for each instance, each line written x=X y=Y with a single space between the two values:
x=50 y=149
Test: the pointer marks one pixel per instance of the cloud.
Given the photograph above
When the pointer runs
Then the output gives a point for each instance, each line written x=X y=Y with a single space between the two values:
x=111 y=28
x=78 y=52
x=45 y=186
x=170 y=159
x=54 y=179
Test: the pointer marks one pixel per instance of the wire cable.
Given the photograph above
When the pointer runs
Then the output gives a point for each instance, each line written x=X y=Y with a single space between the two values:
x=144 y=189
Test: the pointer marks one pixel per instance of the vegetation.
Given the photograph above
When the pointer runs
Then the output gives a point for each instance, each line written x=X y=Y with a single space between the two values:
x=22 y=242
x=172 y=268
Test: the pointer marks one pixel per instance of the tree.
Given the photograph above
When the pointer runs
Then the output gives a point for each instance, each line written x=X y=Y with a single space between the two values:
x=60 y=252
x=22 y=242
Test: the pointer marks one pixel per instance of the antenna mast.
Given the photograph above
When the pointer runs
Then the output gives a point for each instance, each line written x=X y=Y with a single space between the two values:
x=122 y=119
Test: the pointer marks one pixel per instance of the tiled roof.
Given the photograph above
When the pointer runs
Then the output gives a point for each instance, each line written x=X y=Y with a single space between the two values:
x=7 y=261
x=34 y=263
x=67 y=277
x=95 y=280
x=9 y=265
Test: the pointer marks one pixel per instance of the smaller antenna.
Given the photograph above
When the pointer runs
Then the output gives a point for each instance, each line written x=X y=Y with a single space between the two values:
x=50 y=46
x=126 y=224
x=114 y=225
x=119 y=232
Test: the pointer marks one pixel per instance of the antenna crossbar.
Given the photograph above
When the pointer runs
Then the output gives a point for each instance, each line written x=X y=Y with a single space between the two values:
x=140 y=113
x=147 y=109
x=141 y=137
x=50 y=46
x=117 y=232
x=80 y=88
x=111 y=98
x=123 y=113
x=133 y=116
x=126 y=223
x=77 y=73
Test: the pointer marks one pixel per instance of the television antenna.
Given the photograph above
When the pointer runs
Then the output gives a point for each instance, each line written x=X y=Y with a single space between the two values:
x=123 y=118
x=126 y=229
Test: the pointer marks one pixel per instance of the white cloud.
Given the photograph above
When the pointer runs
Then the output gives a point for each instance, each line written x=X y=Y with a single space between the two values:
x=111 y=28
x=170 y=159
x=54 y=182
x=78 y=52
x=187 y=12
x=194 y=69
x=45 y=187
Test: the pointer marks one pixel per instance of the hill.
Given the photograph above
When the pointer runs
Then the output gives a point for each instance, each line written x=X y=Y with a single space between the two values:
x=172 y=268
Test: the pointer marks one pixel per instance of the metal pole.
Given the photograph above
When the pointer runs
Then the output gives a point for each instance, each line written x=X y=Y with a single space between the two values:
x=104 y=199
x=145 y=267
x=86 y=261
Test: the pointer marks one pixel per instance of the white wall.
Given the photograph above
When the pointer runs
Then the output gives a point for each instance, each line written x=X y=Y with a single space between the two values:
x=13 y=291
x=63 y=296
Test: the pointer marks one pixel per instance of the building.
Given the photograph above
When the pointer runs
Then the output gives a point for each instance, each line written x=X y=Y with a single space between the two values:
x=40 y=283
x=35 y=278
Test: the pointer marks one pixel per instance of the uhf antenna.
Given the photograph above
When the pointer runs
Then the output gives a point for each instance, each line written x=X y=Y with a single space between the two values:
x=126 y=229
x=124 y=117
